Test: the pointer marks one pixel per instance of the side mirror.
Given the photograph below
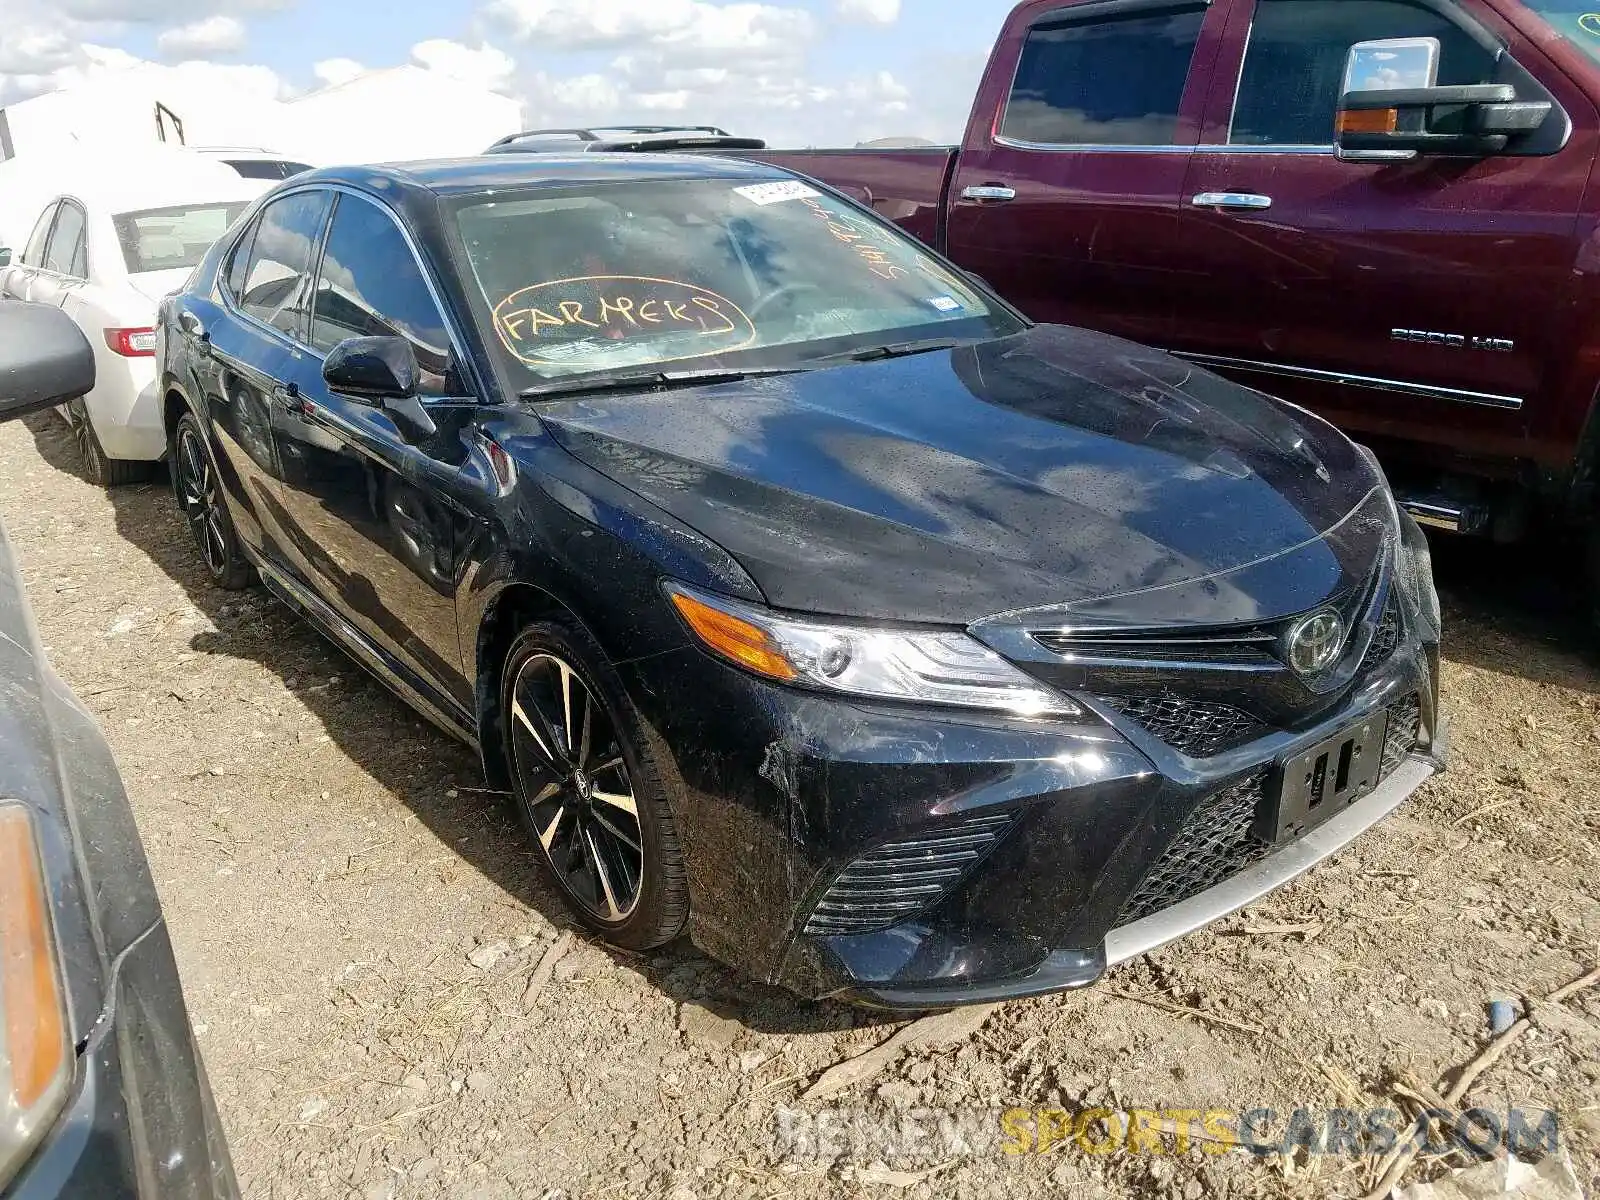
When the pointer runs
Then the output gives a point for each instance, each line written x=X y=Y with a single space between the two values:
x=382 y=372
x=44 y=359
x=1392 y=109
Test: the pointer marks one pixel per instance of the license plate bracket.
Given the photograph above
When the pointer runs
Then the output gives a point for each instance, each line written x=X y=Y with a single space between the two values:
x=1323 y=780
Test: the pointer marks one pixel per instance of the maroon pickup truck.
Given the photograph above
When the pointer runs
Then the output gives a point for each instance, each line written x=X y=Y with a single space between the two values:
x=1385 y=210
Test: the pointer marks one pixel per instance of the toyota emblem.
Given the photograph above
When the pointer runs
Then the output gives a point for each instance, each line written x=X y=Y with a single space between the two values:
x=1315 y=643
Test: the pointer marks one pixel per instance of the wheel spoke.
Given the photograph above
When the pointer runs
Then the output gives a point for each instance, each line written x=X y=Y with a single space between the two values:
x=566 y=704
x=526 y=722
x=582 y=755
x=547 y=835
x=609 y=765
x=605 y=823
x=612 y=910
x=619 y=800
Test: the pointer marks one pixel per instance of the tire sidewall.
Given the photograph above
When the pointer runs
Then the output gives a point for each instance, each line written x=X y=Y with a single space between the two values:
x=654 y=919
x=235 y=571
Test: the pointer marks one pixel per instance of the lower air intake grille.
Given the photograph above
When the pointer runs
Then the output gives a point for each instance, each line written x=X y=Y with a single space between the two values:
x=900 y=879
x=1215 y=843
x=1400 y=739
x=1386 y=641
x=1198 y=728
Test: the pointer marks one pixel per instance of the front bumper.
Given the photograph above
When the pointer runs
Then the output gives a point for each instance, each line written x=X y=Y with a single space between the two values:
x=1054 y=827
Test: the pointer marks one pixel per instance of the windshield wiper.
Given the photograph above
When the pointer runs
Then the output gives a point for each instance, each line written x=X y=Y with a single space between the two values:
x=647 y=381
x=892 y=350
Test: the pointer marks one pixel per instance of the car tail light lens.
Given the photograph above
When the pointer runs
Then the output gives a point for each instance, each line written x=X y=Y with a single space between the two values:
x=35 y=1052
x=132 y=343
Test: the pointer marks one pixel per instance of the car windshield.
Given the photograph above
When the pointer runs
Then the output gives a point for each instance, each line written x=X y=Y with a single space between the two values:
x=701 y=273
x=1576 y=20
x=165 y=239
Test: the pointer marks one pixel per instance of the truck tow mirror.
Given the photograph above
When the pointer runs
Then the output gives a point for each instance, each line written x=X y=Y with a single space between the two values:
x=44 y=358
x=1392 y=109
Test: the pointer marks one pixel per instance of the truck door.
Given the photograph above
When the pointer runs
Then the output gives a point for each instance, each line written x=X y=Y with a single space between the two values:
x=1417 y=300
x=1065 y=195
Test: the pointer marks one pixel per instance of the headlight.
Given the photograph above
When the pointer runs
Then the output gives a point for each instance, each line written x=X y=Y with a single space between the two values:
x=35 y=1053
x=887 y=664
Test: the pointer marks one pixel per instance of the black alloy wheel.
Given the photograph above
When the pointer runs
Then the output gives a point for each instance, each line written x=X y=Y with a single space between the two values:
x=98 y=466
x=587 y=793
x=195 y=483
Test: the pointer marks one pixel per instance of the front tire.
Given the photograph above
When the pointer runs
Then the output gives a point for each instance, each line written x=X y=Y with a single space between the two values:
x=198 y=489
x=588 y=790
x=99 y=467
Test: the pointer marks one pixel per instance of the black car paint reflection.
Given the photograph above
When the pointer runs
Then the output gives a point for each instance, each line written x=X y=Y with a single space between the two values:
x=1047 y=478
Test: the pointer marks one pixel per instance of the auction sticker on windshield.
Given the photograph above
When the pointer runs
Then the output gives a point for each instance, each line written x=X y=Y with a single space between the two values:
x=612 y=320
x=774 y=193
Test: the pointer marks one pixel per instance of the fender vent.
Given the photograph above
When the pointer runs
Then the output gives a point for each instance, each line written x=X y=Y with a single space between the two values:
x=900 y=879
x=1384 y=642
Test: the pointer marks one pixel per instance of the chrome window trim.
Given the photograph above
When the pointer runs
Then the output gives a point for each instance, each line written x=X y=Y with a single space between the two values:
x=451 y=328
x=1374 y=382
x=1129 y=148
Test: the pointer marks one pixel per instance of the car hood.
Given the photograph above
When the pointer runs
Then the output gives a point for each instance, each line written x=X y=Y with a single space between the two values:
x=1056 y=469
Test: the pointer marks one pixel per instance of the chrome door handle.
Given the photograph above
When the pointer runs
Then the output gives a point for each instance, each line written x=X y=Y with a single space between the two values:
x=1236 y=201
x=989 y=191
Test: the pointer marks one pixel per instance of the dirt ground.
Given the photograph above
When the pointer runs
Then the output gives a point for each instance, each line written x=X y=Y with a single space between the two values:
x=357 y=924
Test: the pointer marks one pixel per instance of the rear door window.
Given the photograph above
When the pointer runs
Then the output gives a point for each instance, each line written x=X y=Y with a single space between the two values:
x=65 y=253
x=1293 y=73
x=34 y=254
x=370 y=285
x=277 y=282
x=1103 y=80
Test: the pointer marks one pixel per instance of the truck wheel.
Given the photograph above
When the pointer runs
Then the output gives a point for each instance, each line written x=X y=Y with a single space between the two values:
x=588 y=790
x=98 y=466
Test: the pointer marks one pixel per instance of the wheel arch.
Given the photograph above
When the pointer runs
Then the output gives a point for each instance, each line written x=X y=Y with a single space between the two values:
x=515 y=606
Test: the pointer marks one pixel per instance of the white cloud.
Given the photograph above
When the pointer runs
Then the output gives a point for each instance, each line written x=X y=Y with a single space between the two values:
x=678 y=25
x=200 y=39
x=869 y=12
x=485 y=66
x=331 y=72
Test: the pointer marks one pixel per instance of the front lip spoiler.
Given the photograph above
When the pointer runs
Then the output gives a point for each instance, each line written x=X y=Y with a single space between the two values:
x=1062 y=970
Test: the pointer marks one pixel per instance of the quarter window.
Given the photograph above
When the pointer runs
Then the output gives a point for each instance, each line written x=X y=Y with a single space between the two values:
x=371 y=286
x=1104 y=81
x=1293 y=74
x=277 y=282
x=65 y=253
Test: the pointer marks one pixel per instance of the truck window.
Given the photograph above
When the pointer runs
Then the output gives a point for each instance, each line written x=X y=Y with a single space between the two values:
x=1103 y=80
x=1294 y=65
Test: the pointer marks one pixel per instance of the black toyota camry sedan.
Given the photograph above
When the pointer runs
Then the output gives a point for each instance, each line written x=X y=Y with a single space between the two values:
x=804 y=594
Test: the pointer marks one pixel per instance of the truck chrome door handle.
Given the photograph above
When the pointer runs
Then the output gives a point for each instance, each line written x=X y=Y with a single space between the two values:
x=1237 y=201
x=989 y=191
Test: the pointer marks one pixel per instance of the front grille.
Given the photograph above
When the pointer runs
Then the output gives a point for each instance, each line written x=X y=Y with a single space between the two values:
x=1386 y=641
x=1400 y=739
x=1218 y=838
x=1198 y=728
x=901 y=879
x=1251 y=647
x=1215 y=843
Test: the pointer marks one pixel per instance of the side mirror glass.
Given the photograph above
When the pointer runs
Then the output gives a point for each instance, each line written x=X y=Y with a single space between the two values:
x=1393 y=110
x=382 y=372
x=44 y=359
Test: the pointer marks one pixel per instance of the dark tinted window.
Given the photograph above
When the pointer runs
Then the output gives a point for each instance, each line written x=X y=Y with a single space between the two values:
x=34 y=254
x=65 y=251
x=370 y=285
x=266 y=168
x=1294 y=67
x=239 y=261
x=1106 y=81
x=276 y=286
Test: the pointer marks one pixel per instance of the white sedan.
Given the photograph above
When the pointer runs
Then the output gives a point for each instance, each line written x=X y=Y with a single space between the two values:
x=106 y=254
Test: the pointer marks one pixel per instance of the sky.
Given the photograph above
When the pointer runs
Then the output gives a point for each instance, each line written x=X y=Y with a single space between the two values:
x=796 y=72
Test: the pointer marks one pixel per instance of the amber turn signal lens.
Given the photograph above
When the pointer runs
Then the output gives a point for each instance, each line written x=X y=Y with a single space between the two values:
x=35 y=1049
x=744 y=643
x=1373 y=120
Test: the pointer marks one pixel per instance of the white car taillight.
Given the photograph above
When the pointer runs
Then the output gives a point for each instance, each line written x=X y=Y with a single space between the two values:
x=35 y=1047
x=132 y=343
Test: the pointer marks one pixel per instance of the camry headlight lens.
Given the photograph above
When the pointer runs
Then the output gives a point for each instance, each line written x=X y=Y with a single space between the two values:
x=888 y=664
x=35 y=1054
